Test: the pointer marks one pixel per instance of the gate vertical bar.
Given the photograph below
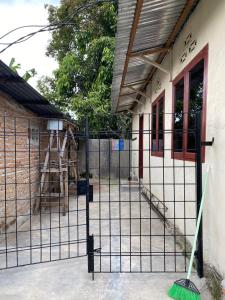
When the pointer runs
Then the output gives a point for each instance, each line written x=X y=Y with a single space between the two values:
x=90 y=239
x=199 y=252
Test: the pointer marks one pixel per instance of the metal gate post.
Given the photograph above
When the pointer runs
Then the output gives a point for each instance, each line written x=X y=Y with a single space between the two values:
x=90 y=251
x=199 y=250
x=90 y=239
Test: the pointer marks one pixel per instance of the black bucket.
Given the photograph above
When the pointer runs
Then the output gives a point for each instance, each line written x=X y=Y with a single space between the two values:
x=81 y=187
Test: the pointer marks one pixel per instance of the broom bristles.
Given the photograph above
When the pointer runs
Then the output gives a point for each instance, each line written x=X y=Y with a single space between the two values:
x=179 y=292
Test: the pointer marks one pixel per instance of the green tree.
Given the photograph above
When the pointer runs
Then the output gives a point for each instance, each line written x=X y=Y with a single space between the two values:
x=84 y=50
x=15 y=67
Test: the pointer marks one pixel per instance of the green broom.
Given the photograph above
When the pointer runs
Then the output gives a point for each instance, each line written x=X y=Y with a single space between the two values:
x=184 y=289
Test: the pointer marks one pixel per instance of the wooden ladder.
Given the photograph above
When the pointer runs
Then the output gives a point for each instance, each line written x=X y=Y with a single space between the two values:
x=54 y=167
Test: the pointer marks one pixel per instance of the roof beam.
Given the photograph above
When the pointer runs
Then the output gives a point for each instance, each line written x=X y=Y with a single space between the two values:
x=136 y=100
x=139 y=92
x=156 y=65
x=134 y=83
x=125 y=106
x=137 y=15
x=149 y=51
x=127 y=94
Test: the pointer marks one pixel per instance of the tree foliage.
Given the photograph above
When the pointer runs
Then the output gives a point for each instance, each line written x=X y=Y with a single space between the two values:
x=84 y=50
x=16 y=67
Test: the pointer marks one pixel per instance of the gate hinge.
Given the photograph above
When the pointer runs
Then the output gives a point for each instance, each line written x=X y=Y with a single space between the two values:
x=208 y=143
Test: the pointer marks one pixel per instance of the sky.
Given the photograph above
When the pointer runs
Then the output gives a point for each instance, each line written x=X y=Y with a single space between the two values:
x=30 y=54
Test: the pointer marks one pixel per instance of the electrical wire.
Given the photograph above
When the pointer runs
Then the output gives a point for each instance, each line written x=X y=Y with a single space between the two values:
x=20 y=27
x=49 y=27
x=26 y=37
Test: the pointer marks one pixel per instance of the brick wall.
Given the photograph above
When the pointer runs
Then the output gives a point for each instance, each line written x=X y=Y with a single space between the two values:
x=20 y=157
x=24 y=139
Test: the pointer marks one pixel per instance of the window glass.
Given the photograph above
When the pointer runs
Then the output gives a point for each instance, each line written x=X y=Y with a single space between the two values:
x=154 y=118
x=178 y=116
x=160 y=134
x=158 y=126
x=196 y=77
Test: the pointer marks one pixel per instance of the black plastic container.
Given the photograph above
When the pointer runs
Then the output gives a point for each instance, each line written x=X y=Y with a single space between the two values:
x=81 y=187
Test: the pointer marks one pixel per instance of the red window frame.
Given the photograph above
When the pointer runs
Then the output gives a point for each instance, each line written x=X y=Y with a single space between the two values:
x=156 y=103
x=185 y=155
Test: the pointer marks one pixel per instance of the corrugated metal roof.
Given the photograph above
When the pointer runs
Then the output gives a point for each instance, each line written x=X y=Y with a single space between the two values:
x=15 y=86
x=155 y=24
x=124 y=25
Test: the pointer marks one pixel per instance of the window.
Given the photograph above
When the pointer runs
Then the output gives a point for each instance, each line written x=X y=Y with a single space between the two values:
x=179 y=116
x=189 y=98
x=196 y=80
x=158 y=126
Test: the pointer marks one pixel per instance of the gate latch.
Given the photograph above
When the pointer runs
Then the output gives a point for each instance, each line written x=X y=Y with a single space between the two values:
x=98 y=250
x=208 y=143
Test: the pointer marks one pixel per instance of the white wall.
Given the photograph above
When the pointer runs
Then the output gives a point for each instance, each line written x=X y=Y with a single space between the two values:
x=207 y=25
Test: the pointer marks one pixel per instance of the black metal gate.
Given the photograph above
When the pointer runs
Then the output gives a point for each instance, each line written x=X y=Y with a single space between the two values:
x=41 y=219
x=126 y=217
x=144 y=224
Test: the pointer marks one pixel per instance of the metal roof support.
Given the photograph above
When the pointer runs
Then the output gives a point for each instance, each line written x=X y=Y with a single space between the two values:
x=136 y=100
x=139 y=92
x=134 y=83
x=149 y=51
x=156 y=65
x=126 y=105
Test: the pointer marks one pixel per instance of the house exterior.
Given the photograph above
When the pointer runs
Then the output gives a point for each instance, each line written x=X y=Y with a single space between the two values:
x=23 y=141
x=169 y=60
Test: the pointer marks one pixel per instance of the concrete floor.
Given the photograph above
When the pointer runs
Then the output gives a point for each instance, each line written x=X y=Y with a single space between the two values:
x=68 y=279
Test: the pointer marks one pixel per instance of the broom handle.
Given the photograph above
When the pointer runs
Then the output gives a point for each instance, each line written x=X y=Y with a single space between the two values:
x=198 y=224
